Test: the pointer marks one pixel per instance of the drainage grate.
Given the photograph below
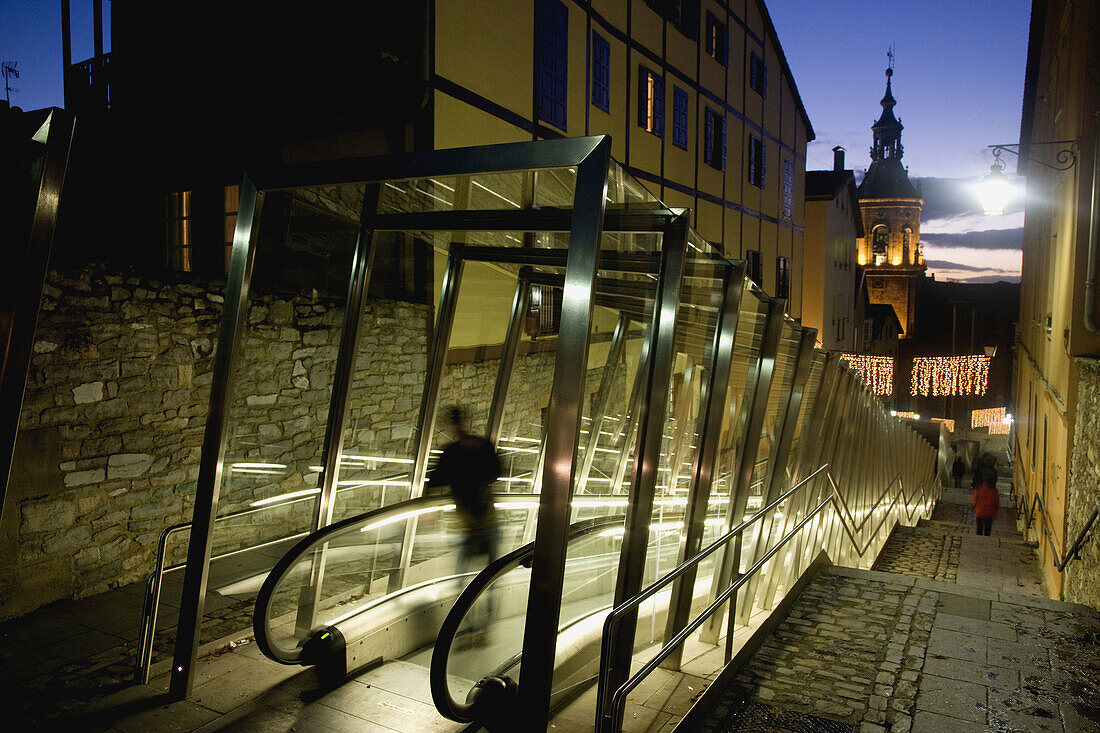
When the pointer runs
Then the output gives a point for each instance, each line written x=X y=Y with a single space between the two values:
x=755 y=717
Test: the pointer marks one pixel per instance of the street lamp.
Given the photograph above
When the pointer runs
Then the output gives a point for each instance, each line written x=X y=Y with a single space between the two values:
x=995 y=188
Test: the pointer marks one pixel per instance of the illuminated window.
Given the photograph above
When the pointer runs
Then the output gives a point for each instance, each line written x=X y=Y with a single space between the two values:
x=230 y=207
x=179 y=231
x=601 y=73
x=714 y=140
x=879 y=241
x=783 y=277
x=717 y=39
x=758 y=75
x=754 y=263
x=551 y=51
x=679 y=118
x=905 y=234
x=757 y=163
x=788 y=189
x=651 y=102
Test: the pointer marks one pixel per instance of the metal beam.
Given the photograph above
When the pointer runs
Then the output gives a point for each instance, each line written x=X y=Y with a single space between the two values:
x=209 y=483
x=651 y=421
x=560 y=453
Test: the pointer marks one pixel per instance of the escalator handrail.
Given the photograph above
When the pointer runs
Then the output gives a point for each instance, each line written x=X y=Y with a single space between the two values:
x=306 y=544
x=437 y=673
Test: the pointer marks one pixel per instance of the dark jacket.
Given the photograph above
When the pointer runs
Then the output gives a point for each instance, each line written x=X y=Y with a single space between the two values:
x=469 y=465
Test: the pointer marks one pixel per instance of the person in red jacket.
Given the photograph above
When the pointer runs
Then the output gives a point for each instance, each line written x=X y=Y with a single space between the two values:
x=986 y=500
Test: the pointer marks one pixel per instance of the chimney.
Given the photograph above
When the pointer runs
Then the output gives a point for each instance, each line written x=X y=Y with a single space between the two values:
x=838 y=159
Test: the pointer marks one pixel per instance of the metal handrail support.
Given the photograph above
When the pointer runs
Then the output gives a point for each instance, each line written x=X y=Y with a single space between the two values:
x=874 y=506
x=1074 y=550
x=612 y=719
x=619 y=611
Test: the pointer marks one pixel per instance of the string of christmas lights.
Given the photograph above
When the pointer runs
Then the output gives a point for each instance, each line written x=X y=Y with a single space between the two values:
x=907 y=415
x=877 y=372
x=945 y=376
x=994 y=418
x=946 y=421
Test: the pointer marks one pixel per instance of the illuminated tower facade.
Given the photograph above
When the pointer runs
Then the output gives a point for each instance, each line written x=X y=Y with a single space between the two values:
x=890 y=249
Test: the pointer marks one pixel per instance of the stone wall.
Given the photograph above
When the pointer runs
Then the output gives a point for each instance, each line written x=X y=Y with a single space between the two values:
x=1082 y=577
x=113 y=415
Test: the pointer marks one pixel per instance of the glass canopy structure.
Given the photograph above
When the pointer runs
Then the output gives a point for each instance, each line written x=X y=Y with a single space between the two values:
x=644 y=395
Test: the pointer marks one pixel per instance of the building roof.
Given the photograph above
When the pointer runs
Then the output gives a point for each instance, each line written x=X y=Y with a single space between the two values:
x=827 y=185
x=880 y=315
x=887 y=179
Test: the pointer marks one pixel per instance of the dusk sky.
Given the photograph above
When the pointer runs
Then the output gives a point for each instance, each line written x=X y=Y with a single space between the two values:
x=959 y=84
x=959 y=75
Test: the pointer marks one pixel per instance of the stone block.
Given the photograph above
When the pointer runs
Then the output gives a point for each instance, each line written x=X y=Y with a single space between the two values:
x=82 y=478
x=88 y=392
x=128 y=465
x=47 y=516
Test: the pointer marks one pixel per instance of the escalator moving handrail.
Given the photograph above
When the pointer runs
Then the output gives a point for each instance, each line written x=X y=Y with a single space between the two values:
x=306 y=544
x=437 y=675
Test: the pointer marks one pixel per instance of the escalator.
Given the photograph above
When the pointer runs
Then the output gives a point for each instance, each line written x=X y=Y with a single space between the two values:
x=340 y=600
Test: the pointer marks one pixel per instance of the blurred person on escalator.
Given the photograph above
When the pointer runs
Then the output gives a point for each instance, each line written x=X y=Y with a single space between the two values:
x=469 y=465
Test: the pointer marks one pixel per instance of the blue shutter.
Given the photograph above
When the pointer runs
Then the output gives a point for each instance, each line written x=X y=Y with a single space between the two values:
x=658 y=106
x=601 y=73
x=679 y=118
x=551 y=54
x=723 y=166
x=708 y=139
x=752 y=160
x=643 y=95
x=724 y=34
x=763 y=163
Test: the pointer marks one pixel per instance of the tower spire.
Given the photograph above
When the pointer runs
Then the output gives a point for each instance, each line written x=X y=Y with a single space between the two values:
x=888 y=127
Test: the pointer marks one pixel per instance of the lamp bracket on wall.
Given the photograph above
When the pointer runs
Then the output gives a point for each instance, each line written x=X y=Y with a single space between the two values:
x=1066 y=157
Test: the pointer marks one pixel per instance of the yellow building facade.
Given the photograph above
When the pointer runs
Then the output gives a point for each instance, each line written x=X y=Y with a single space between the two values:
x=699 y=101
x=1057 y=430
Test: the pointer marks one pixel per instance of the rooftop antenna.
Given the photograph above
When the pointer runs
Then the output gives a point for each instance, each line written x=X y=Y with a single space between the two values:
x=10 y=72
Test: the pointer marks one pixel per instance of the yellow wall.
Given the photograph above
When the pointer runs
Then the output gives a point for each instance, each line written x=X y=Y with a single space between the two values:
x=496 y=75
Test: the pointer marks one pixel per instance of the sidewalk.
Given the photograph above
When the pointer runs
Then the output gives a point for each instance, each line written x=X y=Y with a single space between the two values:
x=949 y=634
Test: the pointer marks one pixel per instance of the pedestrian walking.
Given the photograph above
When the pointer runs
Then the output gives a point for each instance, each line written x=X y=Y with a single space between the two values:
x=984 y=497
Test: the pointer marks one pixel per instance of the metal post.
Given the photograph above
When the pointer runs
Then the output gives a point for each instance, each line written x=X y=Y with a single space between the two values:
x=520 y=303
x=778 y=461
x=429 y=401
x=566 y=397
x=18 y=325
x=714 y=398
x=213 y=445
x=358 y=284
x=599 y=408
x=651 y=422
x=729 y=561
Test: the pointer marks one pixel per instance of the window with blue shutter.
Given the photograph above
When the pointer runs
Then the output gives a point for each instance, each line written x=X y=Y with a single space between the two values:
x=758 y=75
x=783 y=277
x=756 y=165
x=717 y=39
x=601 y=73
x=679 y=118
x=788 y=189
x=551 y=51
x=714 y=140
x=651 y=102
x=754 y=266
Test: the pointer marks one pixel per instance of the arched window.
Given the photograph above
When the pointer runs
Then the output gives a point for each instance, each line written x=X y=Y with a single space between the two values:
x=905 y=235
x=879 y=243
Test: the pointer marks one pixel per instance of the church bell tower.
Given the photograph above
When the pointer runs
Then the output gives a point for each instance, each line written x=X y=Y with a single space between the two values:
x=890 y=251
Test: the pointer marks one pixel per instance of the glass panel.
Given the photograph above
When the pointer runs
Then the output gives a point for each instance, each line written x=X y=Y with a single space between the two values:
x=285 y=368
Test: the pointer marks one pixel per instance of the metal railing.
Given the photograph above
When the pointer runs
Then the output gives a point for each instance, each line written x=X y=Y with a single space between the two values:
x=610 y=705
x=155 y=582
x=1060 y=560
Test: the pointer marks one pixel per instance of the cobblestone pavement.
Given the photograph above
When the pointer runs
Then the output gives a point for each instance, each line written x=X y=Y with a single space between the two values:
x=955 y=637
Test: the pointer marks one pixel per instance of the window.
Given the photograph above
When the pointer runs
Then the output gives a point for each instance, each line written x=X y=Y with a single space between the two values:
x=178 y=238
x=788 y=189
x=717 y=39
x=551 y=21
x=905 y=234
x=601 y=73
x=684 y=14
x=651 y=102
x=756 y=161
x=231 y=205
x=758 y=75
x=783 y=277
x=714 y=142
x=679 y=118
x=755 y=266
x=879 y=241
